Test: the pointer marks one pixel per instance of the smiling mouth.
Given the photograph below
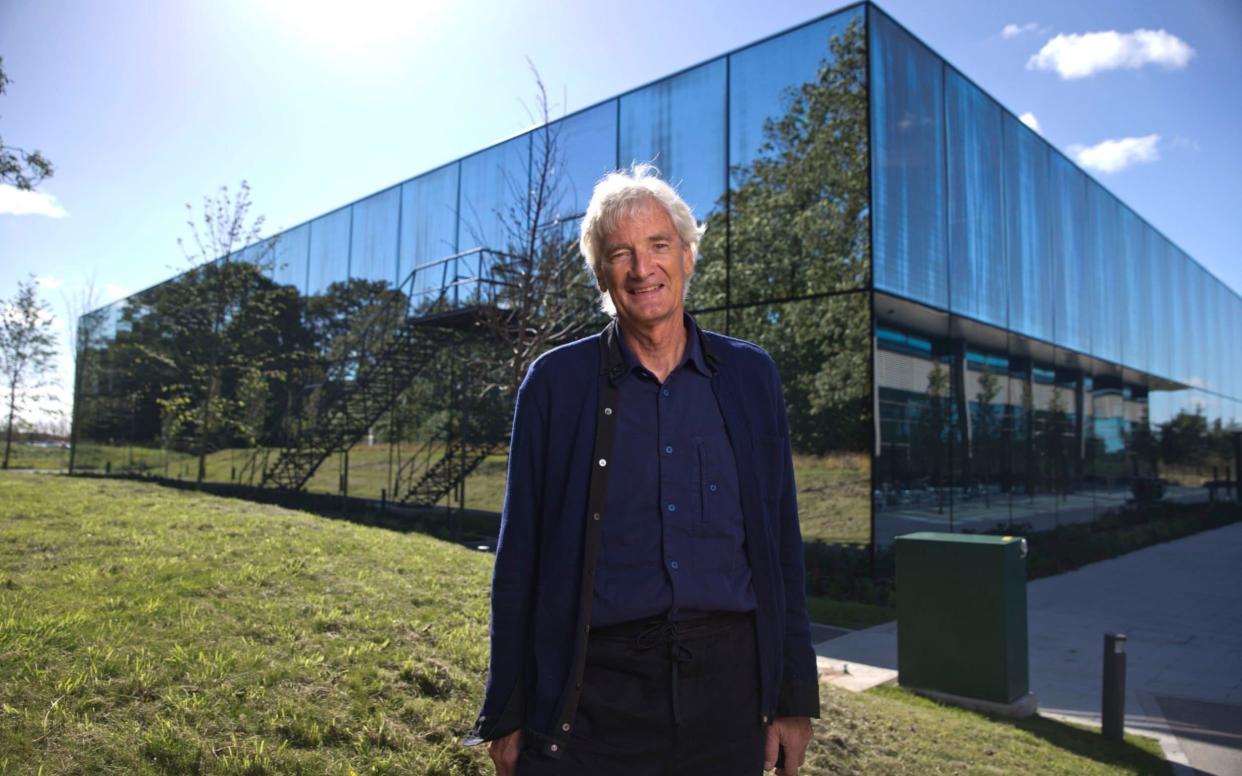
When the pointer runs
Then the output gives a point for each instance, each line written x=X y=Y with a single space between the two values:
x=646 y=289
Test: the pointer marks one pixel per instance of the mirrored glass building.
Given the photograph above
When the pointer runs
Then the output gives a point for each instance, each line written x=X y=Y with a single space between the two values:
x=972 y=332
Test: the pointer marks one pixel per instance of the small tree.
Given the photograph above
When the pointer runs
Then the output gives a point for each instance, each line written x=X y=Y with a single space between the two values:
x=19 y=167
x=541 y=291
x=27 y=351
x=216 y=291
x=81 y=330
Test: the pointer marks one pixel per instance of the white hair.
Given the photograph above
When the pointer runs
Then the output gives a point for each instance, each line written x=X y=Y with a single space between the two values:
x=617 y=195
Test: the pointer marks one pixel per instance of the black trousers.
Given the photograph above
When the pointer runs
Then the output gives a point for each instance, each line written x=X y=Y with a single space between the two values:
x=661 y=697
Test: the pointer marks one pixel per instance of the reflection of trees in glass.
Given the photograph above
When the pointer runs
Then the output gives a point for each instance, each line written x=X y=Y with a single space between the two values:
x=987 y=447
x=797 y=220
x=932 y=426
x=1056 y=431
x=797 y=225
x=176 y=379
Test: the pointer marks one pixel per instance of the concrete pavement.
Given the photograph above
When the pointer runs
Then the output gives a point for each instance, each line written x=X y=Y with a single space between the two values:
x=1179 y=604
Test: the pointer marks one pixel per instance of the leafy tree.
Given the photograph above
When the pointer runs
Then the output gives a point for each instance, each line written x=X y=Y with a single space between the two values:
x=796 y=224
x=217 y=317
x=27 y=352
x=19 y=167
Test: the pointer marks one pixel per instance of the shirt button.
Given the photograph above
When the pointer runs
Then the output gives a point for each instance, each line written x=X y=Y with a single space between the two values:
x=673 y=564
x=668 y=449
x=603 y=462
x=665 y=392
x=712 y=487
x=672 y=507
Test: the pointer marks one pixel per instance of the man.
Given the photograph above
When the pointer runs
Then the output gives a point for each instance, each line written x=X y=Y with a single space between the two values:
x=648 y=612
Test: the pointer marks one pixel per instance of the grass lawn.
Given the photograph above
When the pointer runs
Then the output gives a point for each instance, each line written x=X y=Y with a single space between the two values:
x=147 y=630
x=832 y=490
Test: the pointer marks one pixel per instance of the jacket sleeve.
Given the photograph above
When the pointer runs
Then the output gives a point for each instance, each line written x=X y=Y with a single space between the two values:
x=514 y=573
x=799 y=691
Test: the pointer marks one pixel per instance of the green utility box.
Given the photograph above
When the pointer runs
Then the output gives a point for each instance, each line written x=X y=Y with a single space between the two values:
x=961 y=615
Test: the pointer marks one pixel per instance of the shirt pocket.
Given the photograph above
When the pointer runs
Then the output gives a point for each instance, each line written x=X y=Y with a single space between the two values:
x=720 y=512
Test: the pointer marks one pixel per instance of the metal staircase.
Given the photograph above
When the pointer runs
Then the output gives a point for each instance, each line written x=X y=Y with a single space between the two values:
x=460 y=458
x=373 y=367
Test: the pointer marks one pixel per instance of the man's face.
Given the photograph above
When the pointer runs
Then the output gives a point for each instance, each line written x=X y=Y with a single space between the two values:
x=646 y=266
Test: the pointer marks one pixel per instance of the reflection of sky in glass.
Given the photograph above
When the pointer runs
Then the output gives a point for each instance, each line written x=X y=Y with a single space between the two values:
x=1102 y=248
x=1027 y=231
x=329 y=250
x=494 y=186
x=1161 y=280
x=373 y=251
x=1179 y=319
x=1071 y=271
x=761 y=76
x=587 y=145
x=1135 y=290
x=679 y=124
x=907 y=141
x=978 y=283
x=289 y=257
x=428 y=223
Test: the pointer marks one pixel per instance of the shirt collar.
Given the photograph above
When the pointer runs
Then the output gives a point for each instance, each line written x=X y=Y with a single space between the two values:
x=693 y=354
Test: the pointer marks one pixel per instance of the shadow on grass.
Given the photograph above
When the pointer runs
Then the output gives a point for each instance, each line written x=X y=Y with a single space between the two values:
x=1139 y=754
x=473 y=528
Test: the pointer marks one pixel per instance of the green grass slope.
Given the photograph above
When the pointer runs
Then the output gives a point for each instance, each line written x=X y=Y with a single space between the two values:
x=145 y=630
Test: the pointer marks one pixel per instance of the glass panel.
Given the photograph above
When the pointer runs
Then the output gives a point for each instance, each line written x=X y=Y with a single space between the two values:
x=1103 y=249
x=907 y=135
x=289 y=257
x=821 y=348
x=1161 y=281
x=494 y=191
x=586 y=144
x=766 y=78
x=1071 y=270
x=428 y=227
x=979 y=287
x=678 y=124
x=915 y=402
x=1137 y=280
x=798 y=220
x=373 y=252
x=1180 y=318
x=329 y=250
x=1027 y=231
x=1196 y=374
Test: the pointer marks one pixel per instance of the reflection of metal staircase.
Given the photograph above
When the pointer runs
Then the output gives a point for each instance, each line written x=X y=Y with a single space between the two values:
x=461 y=457
x=435 y=304
x=345 y=408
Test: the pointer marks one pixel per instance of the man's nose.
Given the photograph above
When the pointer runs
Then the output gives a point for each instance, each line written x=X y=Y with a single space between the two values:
x=643 y=263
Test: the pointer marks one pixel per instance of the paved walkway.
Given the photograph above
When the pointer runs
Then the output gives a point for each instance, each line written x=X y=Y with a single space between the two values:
x=1179 y=604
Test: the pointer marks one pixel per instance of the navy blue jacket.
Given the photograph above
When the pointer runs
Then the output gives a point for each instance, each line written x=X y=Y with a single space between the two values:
x=549 y=533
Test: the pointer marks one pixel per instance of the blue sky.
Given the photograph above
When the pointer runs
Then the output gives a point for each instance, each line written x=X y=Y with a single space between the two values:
x=146 y=105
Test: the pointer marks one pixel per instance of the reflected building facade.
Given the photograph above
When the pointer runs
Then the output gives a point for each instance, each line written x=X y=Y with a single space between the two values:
x=971 y=331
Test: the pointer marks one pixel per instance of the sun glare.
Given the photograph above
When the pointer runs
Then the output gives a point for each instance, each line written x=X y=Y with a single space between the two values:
x=354 y=27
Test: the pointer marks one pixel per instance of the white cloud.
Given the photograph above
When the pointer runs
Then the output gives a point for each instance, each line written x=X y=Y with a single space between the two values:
x=50 y=282
x=114 y=292
x=1115 y=155
x=1029 y=119
x=15 y=202
x=1014 y=30
x=1079 y=56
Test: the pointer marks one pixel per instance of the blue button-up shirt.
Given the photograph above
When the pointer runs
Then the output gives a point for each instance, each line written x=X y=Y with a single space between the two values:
x=673 y=536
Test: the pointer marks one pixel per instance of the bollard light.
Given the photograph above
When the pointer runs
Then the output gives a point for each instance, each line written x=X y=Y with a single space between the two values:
x=1113 y=705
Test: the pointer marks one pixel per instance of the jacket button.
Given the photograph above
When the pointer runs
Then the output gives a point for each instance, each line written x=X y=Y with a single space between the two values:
x=608 y=410
x=565 y=726
x=603 y=462
x=553 y=748
x=596 y=515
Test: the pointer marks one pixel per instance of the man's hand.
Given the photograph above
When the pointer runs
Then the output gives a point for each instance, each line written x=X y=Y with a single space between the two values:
x=504 y=752
x=791 y=734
